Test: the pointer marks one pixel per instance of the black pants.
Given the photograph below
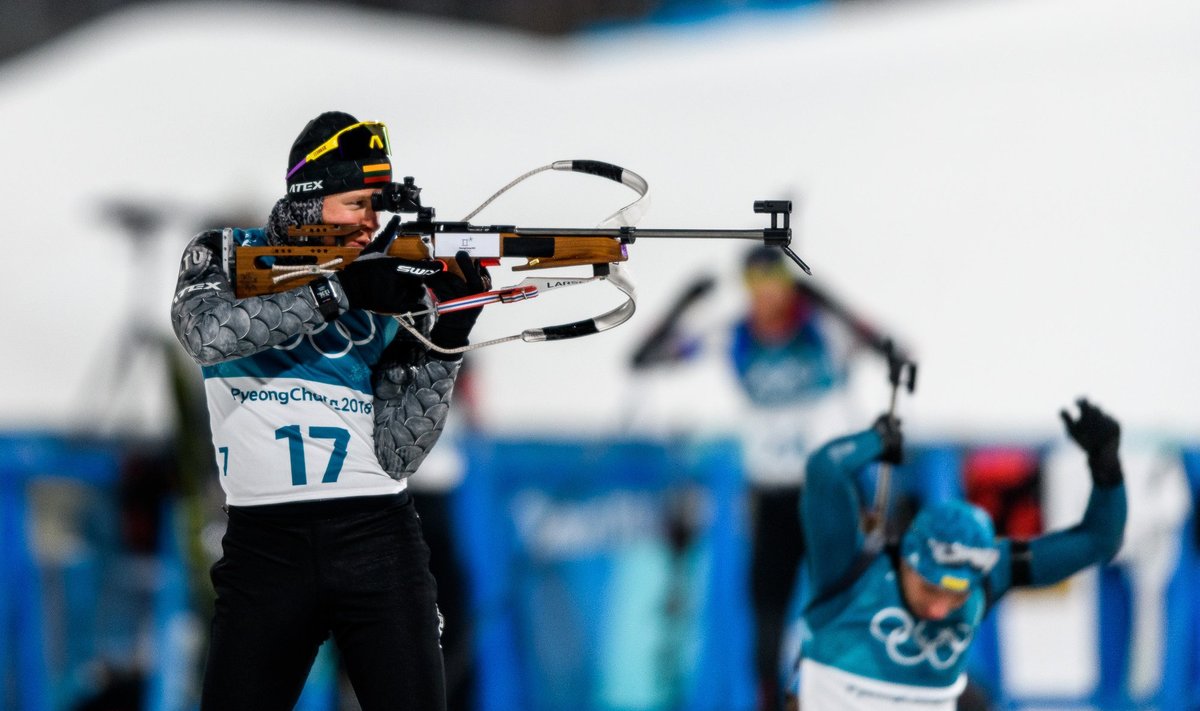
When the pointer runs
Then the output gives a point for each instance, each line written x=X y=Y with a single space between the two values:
x=292 y=574
x=458 y=651
x=778 y=546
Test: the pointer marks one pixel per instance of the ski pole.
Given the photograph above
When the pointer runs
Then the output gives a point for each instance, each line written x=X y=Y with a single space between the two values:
x=901 y=371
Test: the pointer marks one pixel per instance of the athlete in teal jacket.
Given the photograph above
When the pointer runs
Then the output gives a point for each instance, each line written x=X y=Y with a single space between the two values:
x=889 y=627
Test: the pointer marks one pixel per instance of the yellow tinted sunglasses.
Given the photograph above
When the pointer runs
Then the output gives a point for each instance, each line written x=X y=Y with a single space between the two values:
x=354 y=142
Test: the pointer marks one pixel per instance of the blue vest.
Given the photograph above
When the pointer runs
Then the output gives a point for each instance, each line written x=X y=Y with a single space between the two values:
x=782 y=374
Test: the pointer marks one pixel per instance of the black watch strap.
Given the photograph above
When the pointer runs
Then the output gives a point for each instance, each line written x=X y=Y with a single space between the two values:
x=327 y=300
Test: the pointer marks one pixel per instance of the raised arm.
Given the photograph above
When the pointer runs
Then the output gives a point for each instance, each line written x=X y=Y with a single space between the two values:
x=214 y=326
x=831 y=505
x=413 y=385
x=667 y=343
x=1097 y=537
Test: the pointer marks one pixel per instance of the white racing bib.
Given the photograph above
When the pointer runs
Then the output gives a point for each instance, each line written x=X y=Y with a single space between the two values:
x=826 y=688
x=777 y=441
x=286 y=439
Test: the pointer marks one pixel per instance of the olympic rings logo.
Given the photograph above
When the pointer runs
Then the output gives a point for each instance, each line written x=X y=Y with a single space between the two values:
x=895 y=628
x=319 y=344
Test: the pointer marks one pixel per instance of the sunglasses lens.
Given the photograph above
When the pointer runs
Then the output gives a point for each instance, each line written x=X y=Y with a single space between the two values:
x=363 y=141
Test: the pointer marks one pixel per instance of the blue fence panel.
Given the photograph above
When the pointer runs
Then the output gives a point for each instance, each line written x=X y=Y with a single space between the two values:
x=29 y=683
x=1181 y=670
x=608 y=575
x=26 y=676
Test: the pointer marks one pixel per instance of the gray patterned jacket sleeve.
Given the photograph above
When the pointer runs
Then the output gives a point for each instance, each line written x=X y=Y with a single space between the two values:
x=411 y=404
x=215 y=326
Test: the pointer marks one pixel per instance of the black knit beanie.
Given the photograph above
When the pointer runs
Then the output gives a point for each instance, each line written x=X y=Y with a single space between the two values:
x=360 y=161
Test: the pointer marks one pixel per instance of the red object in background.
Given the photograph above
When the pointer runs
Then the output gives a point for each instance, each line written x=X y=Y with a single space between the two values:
x=1007 y=483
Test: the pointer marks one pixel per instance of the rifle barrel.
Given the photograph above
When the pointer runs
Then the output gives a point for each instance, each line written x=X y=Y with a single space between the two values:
x=631 y=233
x=776 y=236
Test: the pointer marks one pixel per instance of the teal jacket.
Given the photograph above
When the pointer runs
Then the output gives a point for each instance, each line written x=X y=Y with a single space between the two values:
x=862 y=626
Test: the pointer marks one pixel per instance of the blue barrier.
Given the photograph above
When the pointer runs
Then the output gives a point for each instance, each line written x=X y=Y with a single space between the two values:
x=170 y=679
x=321 y=689
x=608 y=575
x=22 y=654
x=695 y=11
x=1181 y=653
x=57 y=621
x=25 y=672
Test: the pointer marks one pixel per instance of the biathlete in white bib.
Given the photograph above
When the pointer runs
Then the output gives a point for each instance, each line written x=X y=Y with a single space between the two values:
x=319 y=412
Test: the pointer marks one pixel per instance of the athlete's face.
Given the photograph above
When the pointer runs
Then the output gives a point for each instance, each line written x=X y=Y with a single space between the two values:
x=771 y=292
x=926 y=600
x=352 y=208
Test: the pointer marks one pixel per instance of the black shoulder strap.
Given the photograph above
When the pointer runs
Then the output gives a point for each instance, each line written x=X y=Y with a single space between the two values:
x=1021 y=568
x=863 y=561
x=1022 y=564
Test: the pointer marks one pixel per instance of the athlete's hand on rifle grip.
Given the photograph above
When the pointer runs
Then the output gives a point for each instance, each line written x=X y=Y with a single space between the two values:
x=386 y=284
x=377 y=282
x=381 y=241
x=1099 y=435
x=452 y=329
x=888 y=429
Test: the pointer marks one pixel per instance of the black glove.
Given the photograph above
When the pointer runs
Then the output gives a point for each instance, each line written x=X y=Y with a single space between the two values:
x=1100 y=436
x=452 y=329
x=377 y=282
x=888 y=429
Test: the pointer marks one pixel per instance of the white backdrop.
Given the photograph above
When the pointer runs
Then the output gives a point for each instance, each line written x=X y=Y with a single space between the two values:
x=1011 y=186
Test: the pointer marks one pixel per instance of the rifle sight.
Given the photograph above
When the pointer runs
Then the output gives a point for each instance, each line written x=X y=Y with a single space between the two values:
x=401 y=198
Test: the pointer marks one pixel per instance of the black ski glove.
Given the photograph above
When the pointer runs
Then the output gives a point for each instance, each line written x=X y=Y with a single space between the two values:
x=888 y=429
x=452 y=329
x=377 y=282
x=1100 y=436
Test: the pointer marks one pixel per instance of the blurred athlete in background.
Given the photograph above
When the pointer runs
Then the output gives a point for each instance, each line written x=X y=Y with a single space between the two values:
x=790 y=354
x=889 y=627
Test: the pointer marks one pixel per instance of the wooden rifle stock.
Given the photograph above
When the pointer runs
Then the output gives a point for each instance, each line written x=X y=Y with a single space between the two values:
x=257 y=271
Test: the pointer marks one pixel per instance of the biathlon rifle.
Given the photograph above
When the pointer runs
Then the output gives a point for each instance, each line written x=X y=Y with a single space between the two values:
x=318 y=250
